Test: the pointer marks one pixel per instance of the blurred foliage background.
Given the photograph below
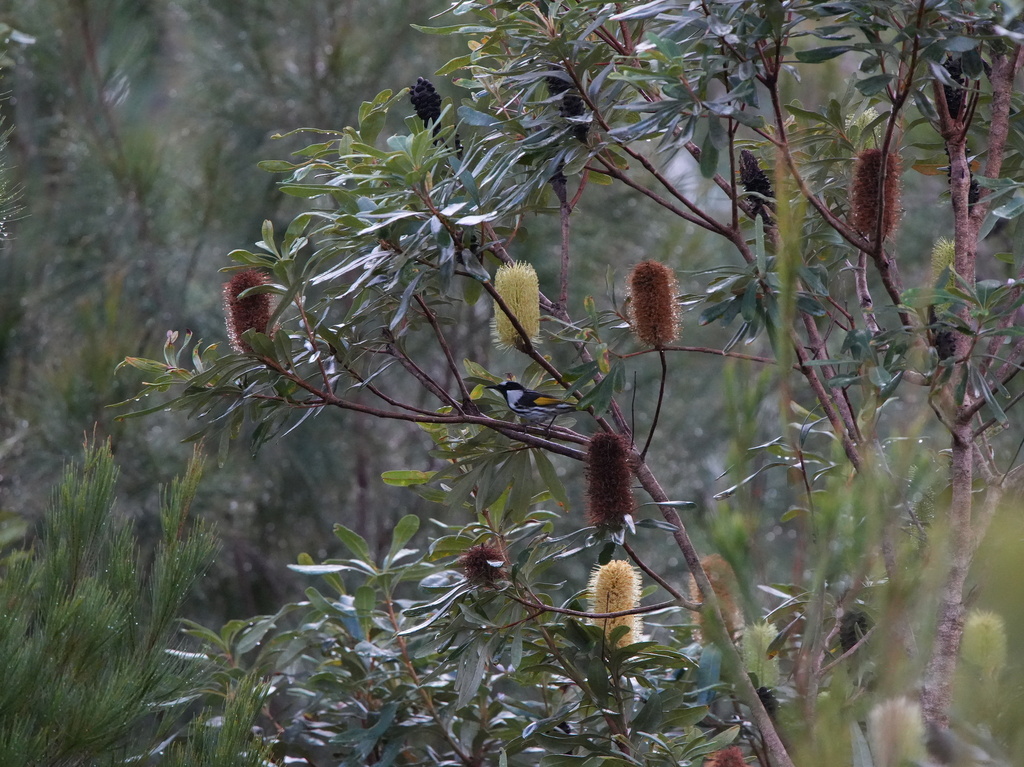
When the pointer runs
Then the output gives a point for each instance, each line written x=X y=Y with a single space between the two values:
x=135 y=129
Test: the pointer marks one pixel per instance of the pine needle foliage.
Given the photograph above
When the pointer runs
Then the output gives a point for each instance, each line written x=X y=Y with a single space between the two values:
x=88 y=625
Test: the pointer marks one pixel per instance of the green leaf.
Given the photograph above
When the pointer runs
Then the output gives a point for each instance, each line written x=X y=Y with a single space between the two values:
x=1010 y=209
x=960 y=44
x=406 y=477
x=472 y=117
x=600 y=397
x=404 y=530
x=550 y=478
x=365 y=601
x=353 y=542
x=650 y=717
x=816 y=55
x=875 y=84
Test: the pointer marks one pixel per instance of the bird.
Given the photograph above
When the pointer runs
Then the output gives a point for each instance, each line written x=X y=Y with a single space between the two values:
x=530 y=405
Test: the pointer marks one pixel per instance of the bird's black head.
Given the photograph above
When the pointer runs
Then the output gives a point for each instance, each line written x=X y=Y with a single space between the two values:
x=506 y=386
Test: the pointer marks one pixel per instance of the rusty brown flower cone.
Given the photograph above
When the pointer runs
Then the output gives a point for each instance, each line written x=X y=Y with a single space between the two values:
x=726 y=587
x=727 y=757
x=867 y=196
x=609 y=481
x=249 y=313
x=484 y=564
x=654 y=313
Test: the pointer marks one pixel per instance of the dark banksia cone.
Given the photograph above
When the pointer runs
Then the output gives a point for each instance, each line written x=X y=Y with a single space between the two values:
x=755 y=180
x=425 y=100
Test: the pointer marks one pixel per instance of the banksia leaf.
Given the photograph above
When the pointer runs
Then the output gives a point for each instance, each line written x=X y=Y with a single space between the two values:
x=249 y=313
x=425 y=100
x=654 y=313
x=757 y=638
x=726 y=757
x=726 y=587
x=614 y=587
x=896 y=733
x=755 y=180
x=484 y=564
x=984 y=641
x=609 y=480
x=518 y=286
x=869 y=197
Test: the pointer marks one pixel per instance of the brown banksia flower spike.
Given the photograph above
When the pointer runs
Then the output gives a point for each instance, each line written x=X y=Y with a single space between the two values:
x=653 y=310
x=249 y=313
x=726 y=757
x=519 y=288
x=425 y=100
x=484 y=564
x=609 y=481
x=615 y=587
x=755 y=180
x=727 y=589
x=870 y=196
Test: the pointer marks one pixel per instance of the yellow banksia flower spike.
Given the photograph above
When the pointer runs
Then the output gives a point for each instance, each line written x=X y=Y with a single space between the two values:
x=943 y=256
x=653 y=310
x=615 y=587
x=984 y=641
x=518 y=287
x=249 y=313
x=757 y=638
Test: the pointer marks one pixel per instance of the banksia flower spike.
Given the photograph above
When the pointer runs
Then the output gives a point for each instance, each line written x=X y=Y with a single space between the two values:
x=614 y=587
x=868 y=197
x=943 y=256
x=249 y=313
x=755 y=180
x=757 y=638
x=484 y=564
x=726 y=587
x=609 y=481
x=896 y=733
x=727 y=757
x=984 y=642
x=425 y=100
x=518 y=286
x=654 y=313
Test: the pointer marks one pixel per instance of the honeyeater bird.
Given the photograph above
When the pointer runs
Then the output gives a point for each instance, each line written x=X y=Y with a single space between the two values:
x=531 y=405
